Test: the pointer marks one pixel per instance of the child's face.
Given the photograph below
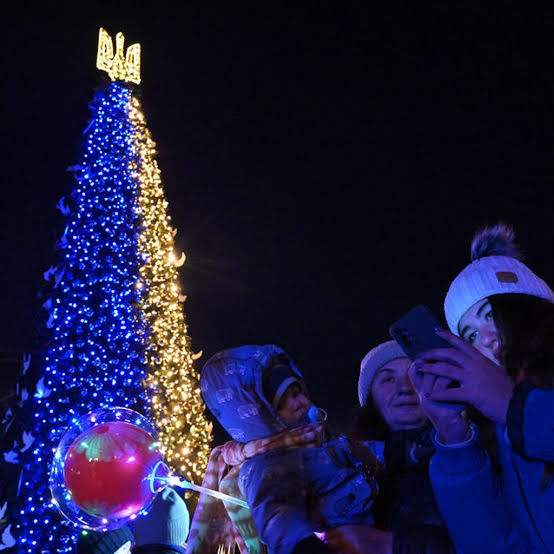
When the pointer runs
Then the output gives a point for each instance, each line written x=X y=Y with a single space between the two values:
x=294 y=404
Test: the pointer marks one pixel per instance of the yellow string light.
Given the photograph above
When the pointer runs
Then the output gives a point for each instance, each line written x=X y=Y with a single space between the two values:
x=177 y=407
x=118 y=66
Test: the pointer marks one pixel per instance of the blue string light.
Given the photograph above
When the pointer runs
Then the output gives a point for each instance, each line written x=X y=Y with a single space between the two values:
x=95 y=356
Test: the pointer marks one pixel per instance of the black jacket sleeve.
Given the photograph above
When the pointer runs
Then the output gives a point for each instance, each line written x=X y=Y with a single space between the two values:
x=422 y=539
x=158 y=549
x=311 y=545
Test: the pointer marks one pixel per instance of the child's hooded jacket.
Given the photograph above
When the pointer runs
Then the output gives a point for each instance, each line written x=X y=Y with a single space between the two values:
x=291 y=493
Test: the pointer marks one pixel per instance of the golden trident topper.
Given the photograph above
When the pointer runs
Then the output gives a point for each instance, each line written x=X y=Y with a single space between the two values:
x=118 y=67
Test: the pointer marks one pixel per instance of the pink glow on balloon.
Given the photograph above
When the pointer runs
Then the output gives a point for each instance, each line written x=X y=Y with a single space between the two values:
x=107 y=469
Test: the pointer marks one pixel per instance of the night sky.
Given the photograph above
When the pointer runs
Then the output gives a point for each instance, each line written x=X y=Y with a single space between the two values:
x=325 y=164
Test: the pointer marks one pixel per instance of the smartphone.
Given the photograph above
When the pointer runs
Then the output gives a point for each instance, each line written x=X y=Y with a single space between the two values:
x=415 y=332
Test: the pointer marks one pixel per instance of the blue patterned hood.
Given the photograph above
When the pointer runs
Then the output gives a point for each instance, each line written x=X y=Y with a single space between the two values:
x=231 y=384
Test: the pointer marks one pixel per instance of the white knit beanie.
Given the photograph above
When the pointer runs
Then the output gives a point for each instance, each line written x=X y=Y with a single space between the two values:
x=491 y=274
x=374 y=360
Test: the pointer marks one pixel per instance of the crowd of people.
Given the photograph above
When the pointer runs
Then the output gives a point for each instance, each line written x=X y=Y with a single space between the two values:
x=452 y=452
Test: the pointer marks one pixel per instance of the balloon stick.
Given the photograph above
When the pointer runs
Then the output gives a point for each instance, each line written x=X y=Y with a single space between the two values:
x=174 y=481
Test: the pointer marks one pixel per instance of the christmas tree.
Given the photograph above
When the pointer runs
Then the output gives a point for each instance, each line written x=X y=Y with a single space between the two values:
x=117 y=333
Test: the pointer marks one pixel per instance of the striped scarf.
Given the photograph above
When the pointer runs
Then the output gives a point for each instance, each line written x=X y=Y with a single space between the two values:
x=218 y=525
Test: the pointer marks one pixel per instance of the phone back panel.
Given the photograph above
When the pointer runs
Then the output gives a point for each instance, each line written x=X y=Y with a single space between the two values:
x=415 y=332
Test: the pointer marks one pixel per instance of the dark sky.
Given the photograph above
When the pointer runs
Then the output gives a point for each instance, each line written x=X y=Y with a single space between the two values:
x=325 y=164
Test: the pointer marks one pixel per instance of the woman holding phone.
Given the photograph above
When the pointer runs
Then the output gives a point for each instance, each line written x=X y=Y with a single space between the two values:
x=391 y=421
x=495 y=493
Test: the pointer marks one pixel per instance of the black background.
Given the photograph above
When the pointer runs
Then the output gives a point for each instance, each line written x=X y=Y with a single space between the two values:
x=325 y=164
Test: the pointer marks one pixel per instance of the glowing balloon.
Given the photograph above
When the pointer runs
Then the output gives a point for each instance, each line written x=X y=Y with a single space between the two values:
x=108 y=469
x=105 y=469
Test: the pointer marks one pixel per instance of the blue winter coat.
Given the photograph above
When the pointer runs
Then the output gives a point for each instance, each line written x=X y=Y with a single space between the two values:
x=513 y=513
x=291 y=493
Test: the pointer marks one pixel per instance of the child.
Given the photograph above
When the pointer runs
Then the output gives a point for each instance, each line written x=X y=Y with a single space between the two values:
x=296 y=480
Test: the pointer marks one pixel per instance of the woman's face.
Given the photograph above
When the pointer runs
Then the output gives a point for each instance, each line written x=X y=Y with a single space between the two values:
x=478 y=328
x=395 y=397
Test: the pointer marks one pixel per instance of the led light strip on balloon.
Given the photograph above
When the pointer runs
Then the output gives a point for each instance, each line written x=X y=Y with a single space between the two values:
x=108 y=469
x=174 y=481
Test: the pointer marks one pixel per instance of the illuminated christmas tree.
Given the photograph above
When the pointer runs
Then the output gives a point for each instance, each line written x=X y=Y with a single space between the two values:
x=177 y=407
x=117 y=333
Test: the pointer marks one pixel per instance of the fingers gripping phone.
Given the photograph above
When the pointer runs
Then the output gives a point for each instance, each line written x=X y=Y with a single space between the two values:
x=415 y=332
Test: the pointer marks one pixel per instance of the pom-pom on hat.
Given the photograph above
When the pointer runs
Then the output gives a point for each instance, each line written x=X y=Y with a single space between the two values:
x=374 y=360
x=496 y=268
x=93 y=542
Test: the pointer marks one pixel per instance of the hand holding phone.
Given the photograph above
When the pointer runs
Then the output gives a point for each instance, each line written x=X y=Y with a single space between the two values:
x=415 y=333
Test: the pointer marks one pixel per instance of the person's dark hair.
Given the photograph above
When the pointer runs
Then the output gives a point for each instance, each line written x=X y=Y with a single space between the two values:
x=525 y=326
x=368 y=424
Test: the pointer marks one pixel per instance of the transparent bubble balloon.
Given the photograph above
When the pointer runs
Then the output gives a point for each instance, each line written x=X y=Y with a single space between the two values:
x=108 y=469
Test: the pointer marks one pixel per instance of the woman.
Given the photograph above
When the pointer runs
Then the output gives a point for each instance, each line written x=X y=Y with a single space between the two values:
x=392 y=420
x=495 y=497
